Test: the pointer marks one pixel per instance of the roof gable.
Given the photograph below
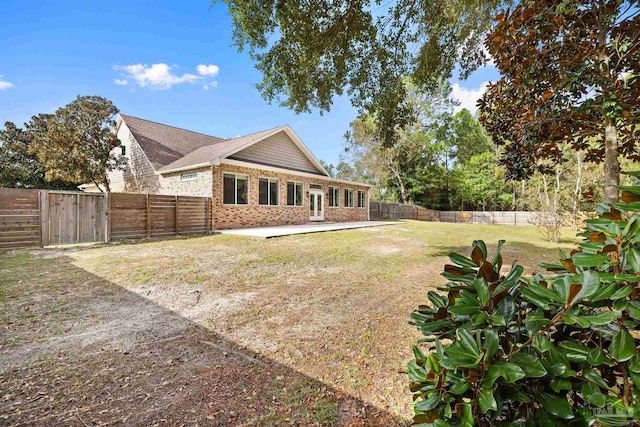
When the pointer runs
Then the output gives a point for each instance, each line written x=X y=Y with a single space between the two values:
x=280 y=150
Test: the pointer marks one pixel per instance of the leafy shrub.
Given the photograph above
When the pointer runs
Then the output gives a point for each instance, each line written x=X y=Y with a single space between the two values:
x=549 y=224
x=551 y=351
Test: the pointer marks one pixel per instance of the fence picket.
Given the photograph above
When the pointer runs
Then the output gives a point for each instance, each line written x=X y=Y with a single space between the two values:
x=44 y=217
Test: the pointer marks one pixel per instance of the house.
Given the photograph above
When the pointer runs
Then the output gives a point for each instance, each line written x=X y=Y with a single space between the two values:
x=263 y=179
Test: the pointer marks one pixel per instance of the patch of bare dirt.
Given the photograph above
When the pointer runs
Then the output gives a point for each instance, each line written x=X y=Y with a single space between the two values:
x=79 y=350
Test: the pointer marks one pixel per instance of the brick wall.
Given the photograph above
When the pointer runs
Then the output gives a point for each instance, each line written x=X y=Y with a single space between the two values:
x=170 y=184
x=255 y=215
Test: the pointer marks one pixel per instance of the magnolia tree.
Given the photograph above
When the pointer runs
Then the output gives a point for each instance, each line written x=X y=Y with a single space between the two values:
x=569 y=78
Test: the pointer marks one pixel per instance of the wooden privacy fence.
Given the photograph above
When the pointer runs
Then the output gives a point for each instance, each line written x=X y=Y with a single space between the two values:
x=19 y=218
x=46 y=217
x=384 y=210
x=152 y=215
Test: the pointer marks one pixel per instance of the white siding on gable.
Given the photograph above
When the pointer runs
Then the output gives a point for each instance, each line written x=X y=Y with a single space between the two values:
x=277 y=150
x=138 y=166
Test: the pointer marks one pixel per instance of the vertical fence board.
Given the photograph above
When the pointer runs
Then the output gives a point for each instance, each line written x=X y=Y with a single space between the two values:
x=43 y=217
x=386 y=210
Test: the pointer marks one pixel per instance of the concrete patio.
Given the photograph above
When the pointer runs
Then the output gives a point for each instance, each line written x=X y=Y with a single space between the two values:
x=287 y=230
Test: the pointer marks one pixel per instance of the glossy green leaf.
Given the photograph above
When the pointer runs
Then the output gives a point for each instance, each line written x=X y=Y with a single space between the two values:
x=559 y=384
x=597 y=399
x=595 y=377
x=429 y=403
x=530 y=364
x=486 y=400
x=574 y=351
x=542 y=342
x=468 y=342
x=623 y=292
x=510 y=372
x=461 y=260
x=590 y=281
x=556 y=405
x=490 y=344
x=632 y=259
x=482 y=290
x=622 y=346
x=588 y=260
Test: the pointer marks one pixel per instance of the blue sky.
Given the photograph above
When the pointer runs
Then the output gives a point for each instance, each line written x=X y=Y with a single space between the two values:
x=53 y=50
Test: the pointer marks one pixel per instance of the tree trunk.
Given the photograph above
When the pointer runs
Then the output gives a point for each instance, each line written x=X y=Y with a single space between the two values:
x=546 y=192
x=578 y=189
x=105 y=182
x=611 y=164
x=556 y=190
x=396 y=174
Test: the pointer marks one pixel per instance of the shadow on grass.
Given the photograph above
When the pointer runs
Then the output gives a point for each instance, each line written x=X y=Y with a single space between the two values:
x=79 y=350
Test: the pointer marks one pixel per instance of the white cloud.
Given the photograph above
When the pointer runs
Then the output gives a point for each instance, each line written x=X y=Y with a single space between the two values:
x=212 y=85
x=5 y=85
x=157 y=76
x=208 y=70
x=120 y=82
x=467 y=97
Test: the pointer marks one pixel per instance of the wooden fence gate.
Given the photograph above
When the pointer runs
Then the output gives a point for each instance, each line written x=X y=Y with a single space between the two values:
x=49 y=217
x=72 y=217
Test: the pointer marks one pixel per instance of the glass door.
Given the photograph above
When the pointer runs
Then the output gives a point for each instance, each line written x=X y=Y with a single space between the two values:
x=316 y=205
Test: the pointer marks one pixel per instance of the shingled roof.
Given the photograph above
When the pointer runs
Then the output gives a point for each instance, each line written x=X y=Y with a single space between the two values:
x=164 y=144
x=169 y=148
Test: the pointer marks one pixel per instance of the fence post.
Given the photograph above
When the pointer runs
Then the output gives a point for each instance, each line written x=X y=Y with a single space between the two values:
x=43 y=207
x=77 y=239
x=107 y=234
x=177 y=216
x=148 y=218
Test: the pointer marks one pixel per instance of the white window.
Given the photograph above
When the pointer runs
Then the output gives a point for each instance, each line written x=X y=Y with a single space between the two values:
x=235 y=189
x=188 y=176
x=268 y=191
x=334 y=197
x=348 y=198
x=295 y=192
x=362 y=199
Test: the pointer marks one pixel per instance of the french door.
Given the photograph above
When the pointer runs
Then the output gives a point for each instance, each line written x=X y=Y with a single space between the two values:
x=316 y=205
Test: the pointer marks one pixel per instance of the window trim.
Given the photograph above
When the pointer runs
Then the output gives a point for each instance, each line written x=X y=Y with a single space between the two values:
x=331 y=188
x=350 y=190
x=294 y=196
x=364 y=199
x=269 y=180
x=189 y=178
x=235 y=175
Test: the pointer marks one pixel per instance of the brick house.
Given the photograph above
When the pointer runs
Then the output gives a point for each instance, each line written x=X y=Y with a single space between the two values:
x=262 y=179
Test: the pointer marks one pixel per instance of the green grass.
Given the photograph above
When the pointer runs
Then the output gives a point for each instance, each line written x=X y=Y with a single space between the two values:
x=331 y=306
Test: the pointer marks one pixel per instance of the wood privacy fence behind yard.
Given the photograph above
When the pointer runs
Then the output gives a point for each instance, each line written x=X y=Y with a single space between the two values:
x=384 y=210
x=46 y=217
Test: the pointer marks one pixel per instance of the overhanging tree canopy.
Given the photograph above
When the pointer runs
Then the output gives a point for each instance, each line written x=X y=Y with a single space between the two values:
x=570 y=77
x=309 y=51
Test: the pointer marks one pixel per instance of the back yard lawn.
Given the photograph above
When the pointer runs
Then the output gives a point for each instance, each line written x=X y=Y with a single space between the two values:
x=227 y=330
